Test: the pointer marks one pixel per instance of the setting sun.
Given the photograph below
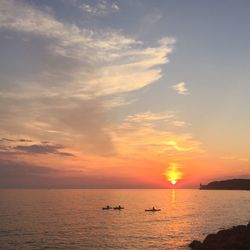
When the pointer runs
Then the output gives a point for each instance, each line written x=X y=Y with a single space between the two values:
x=173 y=173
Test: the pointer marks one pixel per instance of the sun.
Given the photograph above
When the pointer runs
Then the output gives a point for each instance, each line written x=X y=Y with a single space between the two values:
x=173 y=182
x=173 y=173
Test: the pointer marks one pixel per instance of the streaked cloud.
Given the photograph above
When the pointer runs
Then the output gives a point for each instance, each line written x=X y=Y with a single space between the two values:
x=181 y=88
x=177 y=147
x=14 y=147
x=148 y=117
x=67 y=91
x=150 y=134
x=14 y=140
x=42 y=149
x=179 y=123
x=105 y=62
x=6 y=140
x=100 y=8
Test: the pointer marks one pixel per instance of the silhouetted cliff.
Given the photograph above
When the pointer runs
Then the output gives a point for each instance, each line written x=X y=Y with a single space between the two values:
x=234 y=184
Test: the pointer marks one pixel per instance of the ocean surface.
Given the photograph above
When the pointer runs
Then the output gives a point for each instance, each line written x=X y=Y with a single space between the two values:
x=73 y=218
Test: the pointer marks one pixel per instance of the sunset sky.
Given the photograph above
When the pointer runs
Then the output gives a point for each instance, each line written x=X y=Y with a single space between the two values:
x=123 y=94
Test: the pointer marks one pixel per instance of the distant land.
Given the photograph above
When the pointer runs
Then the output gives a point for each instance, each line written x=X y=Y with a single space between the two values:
x=233 y=184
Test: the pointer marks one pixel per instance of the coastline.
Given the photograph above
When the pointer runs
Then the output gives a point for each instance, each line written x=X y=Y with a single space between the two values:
x=231 y=184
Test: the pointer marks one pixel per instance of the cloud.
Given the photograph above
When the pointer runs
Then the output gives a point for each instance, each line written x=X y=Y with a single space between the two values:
x=176 y=146
x=101 y=62
x=12 y=140
x=148 y=117
x=115 y=6
x=25 y=140
x=181 y=88
x=149 y=135
x=68 y=120
x=179 y=123
x=70 y=76
x=42 y=149
x=6 y=140
x=101 y=8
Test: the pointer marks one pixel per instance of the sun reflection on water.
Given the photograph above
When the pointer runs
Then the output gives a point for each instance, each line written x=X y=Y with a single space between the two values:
x=173 y=194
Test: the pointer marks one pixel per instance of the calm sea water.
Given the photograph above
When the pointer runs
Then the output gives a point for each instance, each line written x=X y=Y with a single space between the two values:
x=73 y=219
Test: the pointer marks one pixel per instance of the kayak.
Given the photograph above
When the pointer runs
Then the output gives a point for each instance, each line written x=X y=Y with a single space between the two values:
x=106 y=208
x=152 y=210
x=118 y=208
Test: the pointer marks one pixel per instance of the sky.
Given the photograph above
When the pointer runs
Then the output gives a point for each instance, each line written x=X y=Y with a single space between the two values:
x=123 y=94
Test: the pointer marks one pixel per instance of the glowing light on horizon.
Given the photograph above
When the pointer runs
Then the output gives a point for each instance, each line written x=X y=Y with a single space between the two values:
x=173 y=173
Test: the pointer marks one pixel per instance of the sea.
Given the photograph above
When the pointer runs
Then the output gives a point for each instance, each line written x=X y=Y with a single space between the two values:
x=74 y=219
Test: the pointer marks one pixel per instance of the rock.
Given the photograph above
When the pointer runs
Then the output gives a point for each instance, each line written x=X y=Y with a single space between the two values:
x=196 y=245
x=235 y=238
x=210 y=239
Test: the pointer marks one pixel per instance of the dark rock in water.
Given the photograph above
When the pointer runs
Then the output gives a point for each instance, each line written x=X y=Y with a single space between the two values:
x=235 y=238
x=195 y=244
x=234 y=184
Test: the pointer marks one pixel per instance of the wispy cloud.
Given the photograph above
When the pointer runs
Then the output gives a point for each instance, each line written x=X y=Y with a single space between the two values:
x=101 y=8
x=102 y=62
x=181 y=88
x=179 y=123
x=42 y=149
x=14 y=140
x=148 y=117
x=13 y=147
x=6 y=140
x=150 y=134
x=73 y=70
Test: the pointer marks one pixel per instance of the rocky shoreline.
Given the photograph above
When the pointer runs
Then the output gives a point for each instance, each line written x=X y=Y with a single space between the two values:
x=235 y=238
x=233 y=184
